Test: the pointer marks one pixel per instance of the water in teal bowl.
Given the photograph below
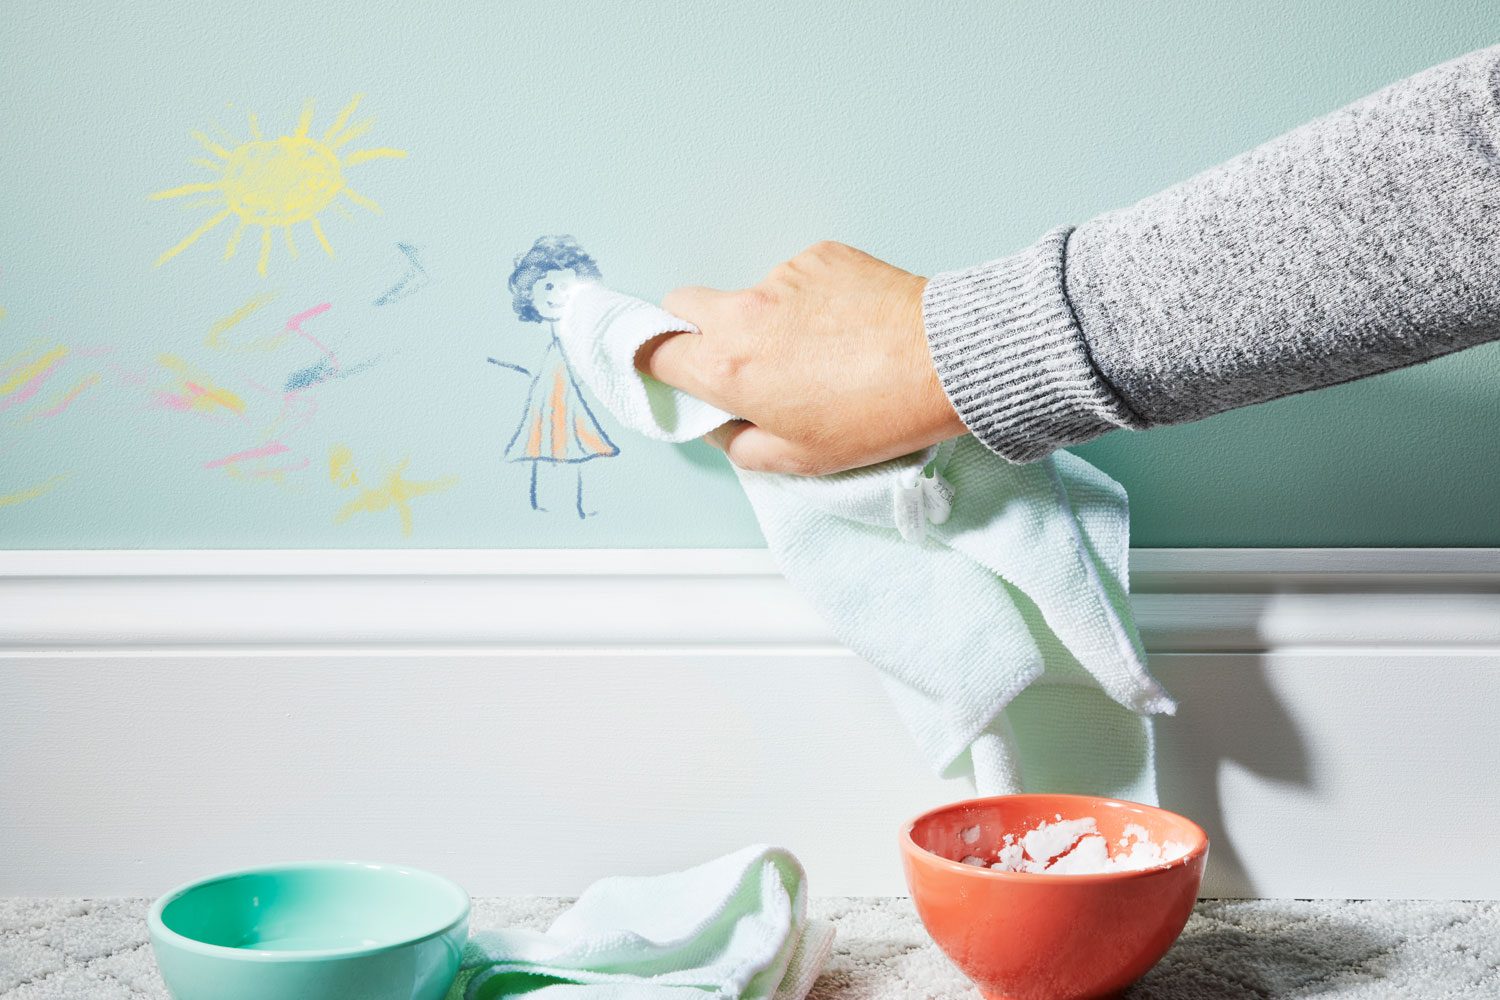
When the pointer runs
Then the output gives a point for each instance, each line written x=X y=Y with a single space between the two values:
x=322 y=930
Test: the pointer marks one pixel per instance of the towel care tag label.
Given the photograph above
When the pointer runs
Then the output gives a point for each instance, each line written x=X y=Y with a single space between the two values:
x=937 y=495
x=923 y=501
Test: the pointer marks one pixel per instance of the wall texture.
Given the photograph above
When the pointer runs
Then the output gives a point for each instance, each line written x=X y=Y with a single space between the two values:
x=157 y=390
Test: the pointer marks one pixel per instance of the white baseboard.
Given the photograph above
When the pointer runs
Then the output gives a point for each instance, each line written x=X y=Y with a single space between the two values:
x=528 y=721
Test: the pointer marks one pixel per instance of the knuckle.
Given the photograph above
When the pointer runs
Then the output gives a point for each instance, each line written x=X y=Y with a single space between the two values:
x=826 y=250
x=724 y=368
x=756 y=301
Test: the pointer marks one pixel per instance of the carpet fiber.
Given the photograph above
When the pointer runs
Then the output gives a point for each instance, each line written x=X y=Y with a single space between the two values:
x=65 y=949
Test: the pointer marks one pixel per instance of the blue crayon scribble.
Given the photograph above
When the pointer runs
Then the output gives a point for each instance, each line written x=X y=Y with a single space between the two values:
x=323 y=371
x=507 y=364
x=413 y=280
x=309 y=376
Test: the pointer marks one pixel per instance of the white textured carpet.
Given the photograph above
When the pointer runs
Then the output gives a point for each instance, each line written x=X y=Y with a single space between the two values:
x=65 y=949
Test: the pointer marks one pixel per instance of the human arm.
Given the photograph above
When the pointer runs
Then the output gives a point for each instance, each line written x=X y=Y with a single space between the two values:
x=1364 y=241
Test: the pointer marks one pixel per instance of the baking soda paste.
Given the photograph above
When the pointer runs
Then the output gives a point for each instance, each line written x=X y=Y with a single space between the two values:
x=1075 y=847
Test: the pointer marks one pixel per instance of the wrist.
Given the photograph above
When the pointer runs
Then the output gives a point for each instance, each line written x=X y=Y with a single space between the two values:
x=939 y=419
x=1011 y=359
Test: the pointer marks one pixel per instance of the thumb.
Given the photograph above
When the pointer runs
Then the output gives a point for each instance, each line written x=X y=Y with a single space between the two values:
x=757 y=450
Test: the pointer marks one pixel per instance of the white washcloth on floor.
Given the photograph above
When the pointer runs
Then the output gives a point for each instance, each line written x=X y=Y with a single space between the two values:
x=735 y=928
x=994 y=597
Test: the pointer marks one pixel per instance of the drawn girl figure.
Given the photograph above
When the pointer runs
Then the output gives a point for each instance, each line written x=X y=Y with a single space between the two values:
x=557 y=428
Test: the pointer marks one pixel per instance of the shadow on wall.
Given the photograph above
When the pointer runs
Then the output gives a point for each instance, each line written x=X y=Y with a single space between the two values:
x=1229 y=712
x=1400 y=459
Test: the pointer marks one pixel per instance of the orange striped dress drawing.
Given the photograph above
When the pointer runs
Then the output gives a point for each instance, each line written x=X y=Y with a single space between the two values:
x=558 y=425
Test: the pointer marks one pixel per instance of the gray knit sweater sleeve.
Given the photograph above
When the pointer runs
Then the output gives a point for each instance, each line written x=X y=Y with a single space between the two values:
x=1363 y=241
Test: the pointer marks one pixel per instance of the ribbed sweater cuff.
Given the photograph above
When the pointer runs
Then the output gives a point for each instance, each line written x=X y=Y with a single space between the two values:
x=1012 y=358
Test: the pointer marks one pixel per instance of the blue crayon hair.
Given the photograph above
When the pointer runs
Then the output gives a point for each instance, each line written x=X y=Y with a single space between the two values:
x=548 y=253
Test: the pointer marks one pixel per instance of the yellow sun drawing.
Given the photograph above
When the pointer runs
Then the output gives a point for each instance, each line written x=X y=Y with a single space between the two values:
x=277 y=183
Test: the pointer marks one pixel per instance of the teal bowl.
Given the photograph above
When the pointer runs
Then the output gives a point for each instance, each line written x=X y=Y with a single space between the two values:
x=316 y=930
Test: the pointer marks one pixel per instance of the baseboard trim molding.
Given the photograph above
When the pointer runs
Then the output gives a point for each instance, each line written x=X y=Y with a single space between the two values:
x=163 y=714
x=538 y=601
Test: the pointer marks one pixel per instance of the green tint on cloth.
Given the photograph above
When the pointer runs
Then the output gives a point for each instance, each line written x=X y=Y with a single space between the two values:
x=735 y=927
x=1000 y=620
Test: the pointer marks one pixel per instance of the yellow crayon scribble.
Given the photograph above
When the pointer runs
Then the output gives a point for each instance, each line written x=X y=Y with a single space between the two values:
x=30 y=371
x=196 y=391
x=2 y=312
x=276 y=475
x=365 y=155
x=349 y=134
x=398 y=492
x=222 y=326
x=22 y=354
x=65 y=399
x=341 y=466
x=279 y=183
x=21 y=496
x=211 y=146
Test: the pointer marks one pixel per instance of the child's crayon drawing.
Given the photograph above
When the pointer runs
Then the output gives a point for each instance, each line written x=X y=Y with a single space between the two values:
x=413 y=280
x=557 y=427
x=395 y=490
x=277 y=182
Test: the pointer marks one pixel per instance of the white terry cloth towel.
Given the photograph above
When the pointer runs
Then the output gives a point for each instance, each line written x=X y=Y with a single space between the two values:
x=735 y=928
x=994 y=597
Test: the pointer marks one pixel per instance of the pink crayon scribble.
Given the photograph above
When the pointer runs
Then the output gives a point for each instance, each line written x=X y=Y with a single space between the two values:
x=290 y=409
x=136 y=377
x=170 y=401
x=263 y=451
x=25 y=382
x=68 y=398
x=296 y=409
x=295 y=326
x=195 y=391
x=192 y=396
x=29 y=390
x=281 y=470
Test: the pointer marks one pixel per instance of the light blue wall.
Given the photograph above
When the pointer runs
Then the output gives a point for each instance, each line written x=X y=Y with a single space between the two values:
x=681 y=143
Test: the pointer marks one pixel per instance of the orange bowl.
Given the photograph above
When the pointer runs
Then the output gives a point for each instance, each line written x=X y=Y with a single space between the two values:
x=1039 y=936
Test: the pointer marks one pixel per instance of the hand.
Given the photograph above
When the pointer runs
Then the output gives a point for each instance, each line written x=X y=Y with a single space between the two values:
x=825 y=360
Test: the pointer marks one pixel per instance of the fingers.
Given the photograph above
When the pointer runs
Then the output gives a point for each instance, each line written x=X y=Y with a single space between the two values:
x=677 y=360
x=757 y=450
x=693 y=303
x=681 y=359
